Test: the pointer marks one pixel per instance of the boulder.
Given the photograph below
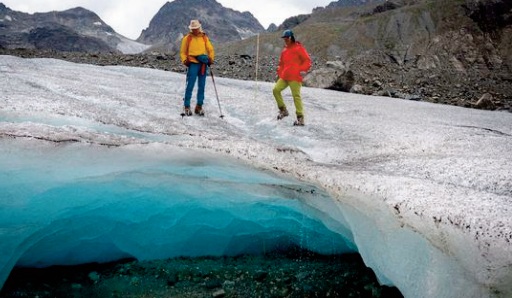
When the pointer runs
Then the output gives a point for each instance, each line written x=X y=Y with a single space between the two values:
x=485 y=102
x=335 y=75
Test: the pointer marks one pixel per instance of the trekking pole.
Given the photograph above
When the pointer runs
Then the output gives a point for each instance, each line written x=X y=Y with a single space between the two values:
x=257 y=65
x=186 y=83
x=216 y=94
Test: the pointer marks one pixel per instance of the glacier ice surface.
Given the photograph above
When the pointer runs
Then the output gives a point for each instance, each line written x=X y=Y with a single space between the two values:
x=423 y=191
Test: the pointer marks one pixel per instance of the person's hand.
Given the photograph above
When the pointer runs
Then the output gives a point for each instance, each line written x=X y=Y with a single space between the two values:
x=210 y=62
x=303 y=73
x=186 y=63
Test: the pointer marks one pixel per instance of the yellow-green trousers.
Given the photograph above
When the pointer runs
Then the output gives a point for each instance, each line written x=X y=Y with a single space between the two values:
x=295 y=88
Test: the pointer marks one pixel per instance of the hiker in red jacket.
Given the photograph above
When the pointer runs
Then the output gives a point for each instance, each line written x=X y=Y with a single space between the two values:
x=293 y=62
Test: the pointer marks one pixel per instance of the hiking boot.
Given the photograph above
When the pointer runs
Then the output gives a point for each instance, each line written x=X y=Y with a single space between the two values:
x=283 y=112
x=188 y=111
x=199 y=110
x=299 y=121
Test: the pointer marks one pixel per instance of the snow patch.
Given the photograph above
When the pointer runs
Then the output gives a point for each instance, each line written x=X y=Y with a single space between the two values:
x=128 y=46
x=245 y=33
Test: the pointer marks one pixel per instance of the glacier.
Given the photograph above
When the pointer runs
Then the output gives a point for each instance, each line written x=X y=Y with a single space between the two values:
x=96 y=164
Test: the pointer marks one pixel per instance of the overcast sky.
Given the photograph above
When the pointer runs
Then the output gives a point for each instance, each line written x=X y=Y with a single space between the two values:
x=130 y=17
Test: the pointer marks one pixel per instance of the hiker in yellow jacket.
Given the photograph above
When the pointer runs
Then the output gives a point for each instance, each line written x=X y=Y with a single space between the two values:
x=197 y=54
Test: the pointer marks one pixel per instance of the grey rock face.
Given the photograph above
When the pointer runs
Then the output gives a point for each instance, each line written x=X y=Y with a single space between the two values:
x=75 y=29
x=221 y=24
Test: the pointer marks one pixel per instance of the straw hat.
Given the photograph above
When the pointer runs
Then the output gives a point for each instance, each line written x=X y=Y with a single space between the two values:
x=194 y=24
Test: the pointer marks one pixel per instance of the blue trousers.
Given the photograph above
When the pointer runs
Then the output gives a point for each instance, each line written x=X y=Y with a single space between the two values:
x=194 y=72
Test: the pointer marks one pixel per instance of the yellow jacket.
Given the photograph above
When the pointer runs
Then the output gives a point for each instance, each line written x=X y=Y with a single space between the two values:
x=195 y=45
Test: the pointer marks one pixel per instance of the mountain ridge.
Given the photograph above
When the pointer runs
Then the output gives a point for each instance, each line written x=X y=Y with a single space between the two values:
x=222 y=24
x=164 y=32
x=75 y=29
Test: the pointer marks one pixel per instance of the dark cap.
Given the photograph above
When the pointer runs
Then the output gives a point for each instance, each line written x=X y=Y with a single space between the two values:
x=287 y=33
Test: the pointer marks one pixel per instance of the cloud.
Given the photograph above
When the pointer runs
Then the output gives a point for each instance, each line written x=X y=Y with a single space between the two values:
x=269 y=11
x=130 y=19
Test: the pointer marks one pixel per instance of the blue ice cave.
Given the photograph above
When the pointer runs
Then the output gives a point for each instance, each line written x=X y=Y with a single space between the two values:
x=73 y=204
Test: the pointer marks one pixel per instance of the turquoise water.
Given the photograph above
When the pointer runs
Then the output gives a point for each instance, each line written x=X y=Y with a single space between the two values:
x=72 y=204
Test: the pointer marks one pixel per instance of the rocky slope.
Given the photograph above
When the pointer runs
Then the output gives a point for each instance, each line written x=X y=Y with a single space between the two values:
x=453 y=52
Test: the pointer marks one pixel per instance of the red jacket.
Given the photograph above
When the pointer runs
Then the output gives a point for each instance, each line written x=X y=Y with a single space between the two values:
x=293 y=60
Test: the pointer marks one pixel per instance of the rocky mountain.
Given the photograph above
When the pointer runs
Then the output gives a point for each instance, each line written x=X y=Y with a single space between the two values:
x=76 y=29
x=440 y=51
x=221 y=24
x=272 y=28
x=294 y=21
